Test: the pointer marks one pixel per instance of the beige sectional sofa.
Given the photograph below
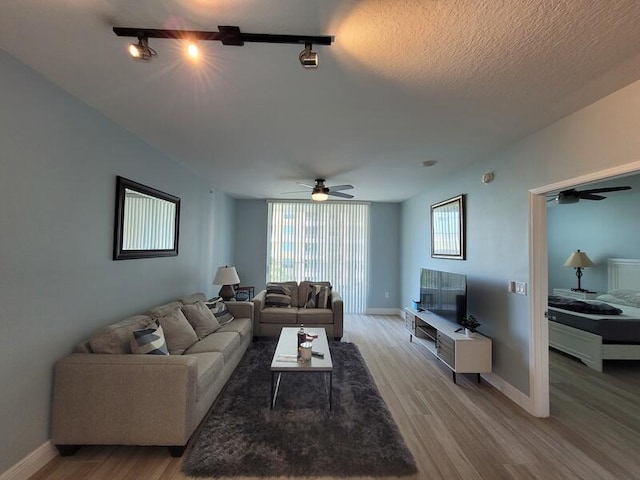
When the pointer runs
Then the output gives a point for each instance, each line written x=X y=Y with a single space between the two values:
x=269 y=320
x=121 y=398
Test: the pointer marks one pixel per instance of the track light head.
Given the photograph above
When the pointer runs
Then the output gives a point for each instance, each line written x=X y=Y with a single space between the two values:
x=141 y=50
x=307 y=57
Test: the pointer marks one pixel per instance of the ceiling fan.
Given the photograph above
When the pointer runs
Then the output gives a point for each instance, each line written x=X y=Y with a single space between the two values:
x=573 y=196
x=320 y=192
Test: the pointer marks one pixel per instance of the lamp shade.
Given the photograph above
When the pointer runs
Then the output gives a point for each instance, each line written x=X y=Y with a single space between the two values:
x=578 y=259
x=226 y=276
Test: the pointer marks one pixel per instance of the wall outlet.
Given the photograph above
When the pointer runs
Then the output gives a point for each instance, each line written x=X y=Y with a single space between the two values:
x=386 y=294
x=521 y=288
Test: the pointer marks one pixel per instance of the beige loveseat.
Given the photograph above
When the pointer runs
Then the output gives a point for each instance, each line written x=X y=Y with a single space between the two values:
x=122 y=398
x=269 y=320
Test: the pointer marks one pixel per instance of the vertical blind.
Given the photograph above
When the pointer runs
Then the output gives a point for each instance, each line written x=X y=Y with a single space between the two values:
x=321 y=242
x=149 y=223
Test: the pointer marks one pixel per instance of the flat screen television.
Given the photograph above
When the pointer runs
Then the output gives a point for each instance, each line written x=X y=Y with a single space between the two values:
x=443 y=293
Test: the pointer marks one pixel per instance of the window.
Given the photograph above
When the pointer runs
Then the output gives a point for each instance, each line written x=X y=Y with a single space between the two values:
x=329 y=242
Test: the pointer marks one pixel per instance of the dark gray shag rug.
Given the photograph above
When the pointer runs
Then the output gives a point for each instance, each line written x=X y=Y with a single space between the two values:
x=301 y=437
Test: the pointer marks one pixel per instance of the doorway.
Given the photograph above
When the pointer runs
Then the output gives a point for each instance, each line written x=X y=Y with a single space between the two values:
x=539 y=334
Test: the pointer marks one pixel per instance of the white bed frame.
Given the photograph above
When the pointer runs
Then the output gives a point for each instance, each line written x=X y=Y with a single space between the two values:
x=588 y=347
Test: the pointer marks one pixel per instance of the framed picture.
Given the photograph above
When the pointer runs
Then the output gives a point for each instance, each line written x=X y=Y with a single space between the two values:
x=447 y=229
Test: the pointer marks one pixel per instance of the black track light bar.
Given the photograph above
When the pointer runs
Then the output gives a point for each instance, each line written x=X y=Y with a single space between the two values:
x=228 y=35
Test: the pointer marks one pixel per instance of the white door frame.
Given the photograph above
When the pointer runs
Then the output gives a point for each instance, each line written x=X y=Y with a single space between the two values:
x=539 y=333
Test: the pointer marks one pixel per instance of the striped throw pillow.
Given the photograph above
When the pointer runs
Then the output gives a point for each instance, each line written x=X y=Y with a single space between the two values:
x=219 y=310
x=278 y=295
x=318 y=296
x=149 y=340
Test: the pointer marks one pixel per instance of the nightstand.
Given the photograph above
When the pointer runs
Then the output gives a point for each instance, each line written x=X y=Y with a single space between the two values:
x=567 y=292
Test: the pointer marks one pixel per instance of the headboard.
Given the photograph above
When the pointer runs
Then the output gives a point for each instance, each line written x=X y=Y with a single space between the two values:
x=624 y=273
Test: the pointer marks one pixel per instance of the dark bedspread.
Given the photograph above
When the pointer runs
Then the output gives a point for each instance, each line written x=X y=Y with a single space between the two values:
x=597 y=308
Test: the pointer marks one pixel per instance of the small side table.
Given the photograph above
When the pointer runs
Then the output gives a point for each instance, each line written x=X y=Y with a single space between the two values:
x=245 y=293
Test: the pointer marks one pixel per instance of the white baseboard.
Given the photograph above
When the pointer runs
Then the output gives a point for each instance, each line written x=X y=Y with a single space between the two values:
x=33 y=462
x=384 y=311
x=509 y=391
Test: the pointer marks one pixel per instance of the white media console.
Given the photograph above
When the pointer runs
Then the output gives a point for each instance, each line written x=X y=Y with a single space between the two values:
x=459 y=352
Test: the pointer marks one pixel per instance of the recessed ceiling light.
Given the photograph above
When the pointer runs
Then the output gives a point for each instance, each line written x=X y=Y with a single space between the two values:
x=429 y=163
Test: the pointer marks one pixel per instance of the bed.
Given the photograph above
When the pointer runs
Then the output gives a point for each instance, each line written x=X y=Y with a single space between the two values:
x=593 y=337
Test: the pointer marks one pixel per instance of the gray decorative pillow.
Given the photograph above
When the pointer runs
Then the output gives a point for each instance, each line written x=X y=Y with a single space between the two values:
x=201 y=319
x=178 y=333
x=277 y=295
x=149 y=340
x=318 y=296
x=219 y=310
x=116 y=337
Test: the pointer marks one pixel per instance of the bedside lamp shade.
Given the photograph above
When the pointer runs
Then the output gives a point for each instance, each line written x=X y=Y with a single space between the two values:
x=578 y=260
x=227 y=277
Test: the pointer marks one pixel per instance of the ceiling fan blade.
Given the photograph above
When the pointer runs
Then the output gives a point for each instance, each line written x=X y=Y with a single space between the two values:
x=589 y=196
x=297 y=191
x=340 y=194
x=603 y=190
x=306 y=185
x=335 y=188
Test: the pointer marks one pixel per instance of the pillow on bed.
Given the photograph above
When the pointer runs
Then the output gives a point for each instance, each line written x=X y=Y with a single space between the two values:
x=630 y=298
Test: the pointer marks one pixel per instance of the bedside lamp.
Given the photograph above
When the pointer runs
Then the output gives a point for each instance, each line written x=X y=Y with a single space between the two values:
x=578 y=260
x=227 y=277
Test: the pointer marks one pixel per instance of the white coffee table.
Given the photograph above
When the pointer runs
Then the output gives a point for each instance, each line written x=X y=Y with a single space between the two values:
x=285 y=358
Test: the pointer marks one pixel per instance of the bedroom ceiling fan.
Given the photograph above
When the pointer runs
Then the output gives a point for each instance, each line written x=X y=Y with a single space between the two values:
x=320 y=192
x=573 y=196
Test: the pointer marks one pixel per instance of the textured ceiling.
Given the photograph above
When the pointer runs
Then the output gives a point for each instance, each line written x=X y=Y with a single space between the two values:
x=405 y=81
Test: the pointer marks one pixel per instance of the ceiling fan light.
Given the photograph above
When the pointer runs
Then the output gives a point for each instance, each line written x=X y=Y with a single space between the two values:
x=320 y=194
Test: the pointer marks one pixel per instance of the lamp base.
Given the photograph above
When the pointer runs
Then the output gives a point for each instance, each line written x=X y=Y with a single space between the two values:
x=227 y=292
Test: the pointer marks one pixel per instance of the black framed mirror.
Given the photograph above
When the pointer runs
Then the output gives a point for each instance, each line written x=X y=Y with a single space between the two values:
x=147 y=222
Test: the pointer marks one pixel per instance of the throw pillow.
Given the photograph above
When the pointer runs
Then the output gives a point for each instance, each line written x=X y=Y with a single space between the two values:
x=201 y=319
x=277 y=295
x=219 y=310
x=318 y=296
x=178 y=333
x=149 y=340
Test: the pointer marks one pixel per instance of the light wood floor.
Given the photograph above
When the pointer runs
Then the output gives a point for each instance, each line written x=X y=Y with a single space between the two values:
x=465 y=431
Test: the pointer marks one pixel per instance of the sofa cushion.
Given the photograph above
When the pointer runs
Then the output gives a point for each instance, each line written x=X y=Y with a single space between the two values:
x=219 y=310
x=279 y=315
x=201 y=319
x=210 y=364
x=116 y=337
x=193 y=298
x=178 y=333
x=318 y=296
x=162 y=310
x=149 y=340
x=312 y=316
x=242 y=326
x=278 y=295
x=222 y=342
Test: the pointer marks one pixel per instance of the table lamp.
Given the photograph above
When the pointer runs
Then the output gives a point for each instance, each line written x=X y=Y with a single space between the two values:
x=578 y=260
x=227 y=277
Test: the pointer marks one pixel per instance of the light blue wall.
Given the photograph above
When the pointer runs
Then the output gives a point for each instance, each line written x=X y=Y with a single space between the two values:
x=251 y=249
x=603 y=229
x=384 y=256
x=58 y=283
x=251 y=242
x=600 y=136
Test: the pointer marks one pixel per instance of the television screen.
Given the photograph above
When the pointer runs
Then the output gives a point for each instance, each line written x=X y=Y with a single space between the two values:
x=444 y=294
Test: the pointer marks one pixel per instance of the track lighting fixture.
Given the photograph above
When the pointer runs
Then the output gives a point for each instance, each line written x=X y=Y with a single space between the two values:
x=308 y=58
x=228 y=35
x=141 y=50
